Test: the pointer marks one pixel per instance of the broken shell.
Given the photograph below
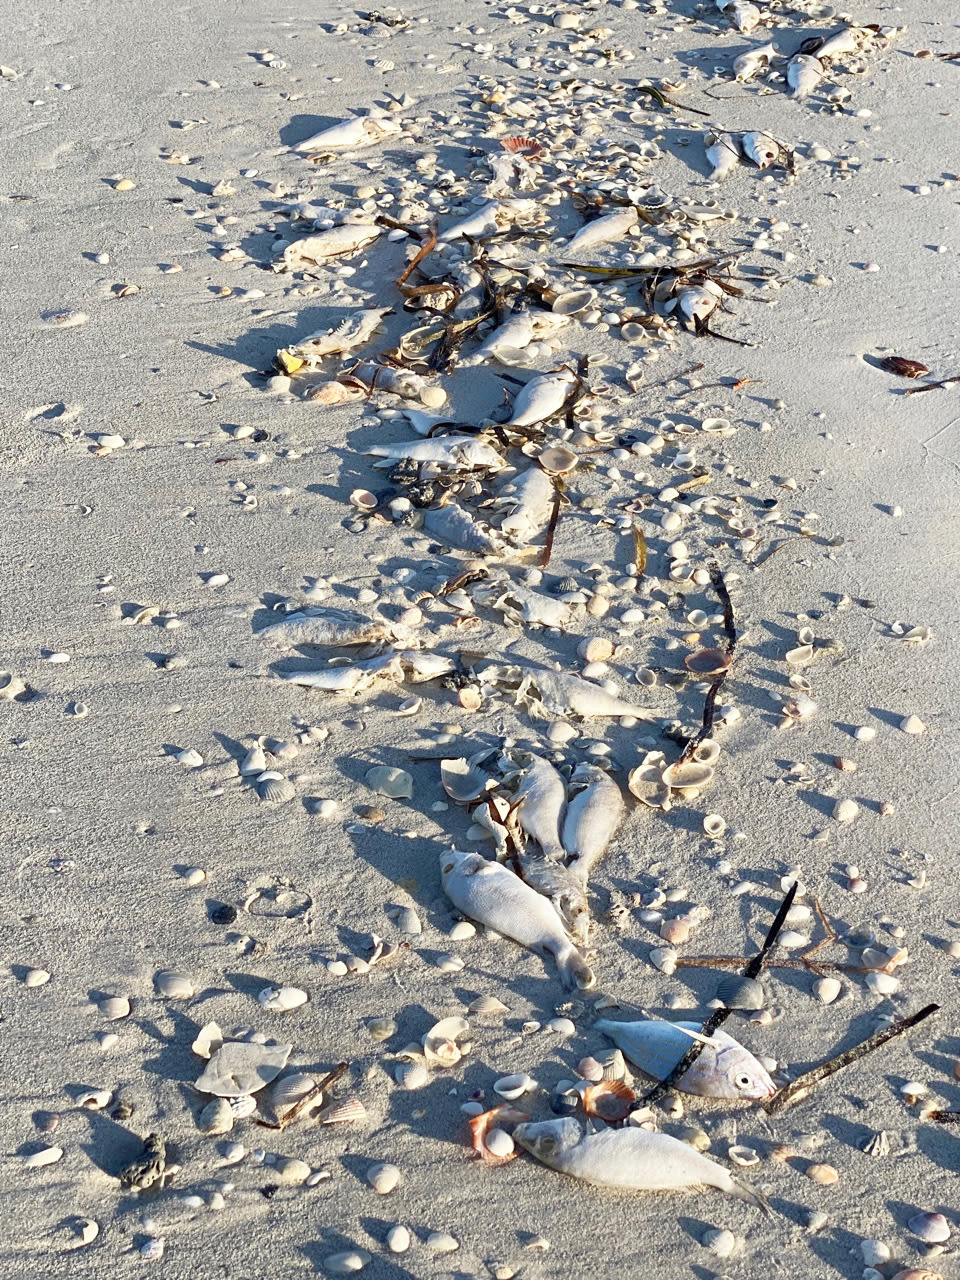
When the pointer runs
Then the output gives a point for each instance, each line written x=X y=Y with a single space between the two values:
x=557 y=461
x=172 y=985
x=282 y=999
x=241 y=1067
x=845 y=810
x=664 y=959
x=646 y=784
x=743 y=1156
x=708 y=662
x=573 y=302
x=440 y=1048
x=464 y=781
x=707 y=751
x=483 y=1126
x=412 y=1075
x=208 y=1041
x=714 y=826
x=515 y=1086
x=609 y=1100
x=387 y=781
x=216 y=1117
x=824 y=1175
x=687 y=775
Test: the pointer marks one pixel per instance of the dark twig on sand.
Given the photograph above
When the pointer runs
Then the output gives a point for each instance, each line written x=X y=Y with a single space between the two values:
x=730 y=631
x=308 y=1100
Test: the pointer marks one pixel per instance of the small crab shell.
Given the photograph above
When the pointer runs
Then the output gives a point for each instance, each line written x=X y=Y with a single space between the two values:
x=464 y=781
x=687 y=775
x=495 y=1118
x=440 y=1048
x=609 y=1100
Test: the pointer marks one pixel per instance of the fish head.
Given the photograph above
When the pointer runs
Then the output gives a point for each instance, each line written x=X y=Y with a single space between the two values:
x=741 y=1075
x=457 y=862
x=549 y=1140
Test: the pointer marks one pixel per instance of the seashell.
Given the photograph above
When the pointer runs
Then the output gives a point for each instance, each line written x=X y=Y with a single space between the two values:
x=845 y=810
x=216 y=1117
x=94 y=1099
x=740 y=993
x=346 y=1262
x=610 y=1100
x=824 y=1175
x=363 y=500
x=708 y=662
x=647 y=785
x=398 y=1238
x=717 y=426
x=664 y=959
x=590 y=1069
x=113 y=1008
x=487 y=1006
x=827 y=989
x=801 y=656
x=11 y=686
x=254 y=762
x=499 y=1144
x=687 y=775
x=383 y=1178
x=440 y=1048
x=719 y=1241
x=243 y=1106
x=208 y=1041
x=912 y=725
x=521 y=145
x=409 y=922
x=382 y=1028
x=492 y=1121
x=707 y=751
x=743 y=1156
x=282 y=999
x=464 y=781
x=614 y=1066
x=932 y=1228
x=442 y=1242
x=240 y=1067
x=388 y=781
x=903 y=367
x=633 y=333
x=276 y=791
x=574 y=301
x=714 y=826
x=412 y=1075
x=559 y=462
x=513 y=1087
x=287 y=1090
x=172 y=985
x=348 y=1111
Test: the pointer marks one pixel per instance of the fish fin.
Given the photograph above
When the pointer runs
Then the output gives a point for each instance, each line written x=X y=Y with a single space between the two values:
x=750 y=1195
x=574 y=970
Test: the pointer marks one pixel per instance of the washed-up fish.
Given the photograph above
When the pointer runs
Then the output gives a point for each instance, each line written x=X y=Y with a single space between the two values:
x=725 y=1069
x=420 y=665
x=572 y=695
x=542 y=799
x=422 y=422
x=630 y=1159
x=462 y=452
x=383 y=377
x=603 y=230
x=530 y=500
x=760 y=148
x=351 y=135
x=490 y=219
x=804 y=73
x=346 y=679
x=350 y=333
x=326 y=626
x=723 y=152
x=493 y=896
x=515 y=334
x=326 y=246
x=697 y=301
x=510 y=172
x=746 y=66
x=592 y=817
x=744 y=15
x=846 y=40
x=520 y=604
x=458 y=528
x=542 y=397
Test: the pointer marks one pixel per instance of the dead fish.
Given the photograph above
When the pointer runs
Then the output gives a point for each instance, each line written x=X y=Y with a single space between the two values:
x=746 y=66
x=542 y=397
x=362 y=131
x=804 y=73
x=725 y=1069
x=346 y=679
x=350 y=333
x=458 y=528
x=493 y=896
x=603 y=230
x=382 y=377
x=461 y=452
x=846 y=40
x=530 y=500
x=572 y=695
x=516 y=333
x=326 y=246
x=520 y=604
x=490 y=219
x=326 y=626
x=723 y=152
x=592 y=817
x=631 y=1159
x=419 y=665
x=542 y=799
x=510 y=172
x=743 y=15
x=760 y=148
x=697 y=302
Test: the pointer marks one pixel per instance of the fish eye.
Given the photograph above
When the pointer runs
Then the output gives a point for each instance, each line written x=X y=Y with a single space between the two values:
x=742 y=1081
x=547 y=1145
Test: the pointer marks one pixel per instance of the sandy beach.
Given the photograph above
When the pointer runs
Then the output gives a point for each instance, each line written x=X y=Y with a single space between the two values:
x=169 y=491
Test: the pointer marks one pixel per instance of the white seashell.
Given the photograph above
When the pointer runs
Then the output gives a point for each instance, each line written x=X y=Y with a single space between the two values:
x=94 y=1099
x=464 y=781
x=242 y=1067
x=208 y=1041
x=11 y=686
x=383 y=1178
x=442 y=1242
x=398 y=1239
x=412 y=1075
x=388 y=781
x=883 y=984
x=282 y=999
x=152 y=1249
x=499 y=1143
x=233 y=1152
x=216 y=1117
x=463 y=930
x=243 y=1106
x=409 y=922
x=845 y=810
x=511 y=1087
x=275 y=790
x=664 y=959
x=791 y=940
x=172 y=985
x=44 y=1156
x=189 y=758
x=714 y=825
x=254 y=762
x=743 y=1156
x=440 y=1048
x=688 y=775
x=932 y=1228
x=487 y=1006
x=287 y=1090
x=574 y=301
x=348 y=1111
x=113 y=1008
x=719 y=1241
x=827 y=989
x=912 y=725
x=347 y=1262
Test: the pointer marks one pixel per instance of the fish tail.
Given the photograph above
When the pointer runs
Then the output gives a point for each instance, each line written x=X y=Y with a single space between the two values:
x=749 y=1195
x=574 y=970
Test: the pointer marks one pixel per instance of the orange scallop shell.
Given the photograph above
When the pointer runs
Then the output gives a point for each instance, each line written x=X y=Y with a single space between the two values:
x=609 y=1100
x=495 y=1118
x=522 y=146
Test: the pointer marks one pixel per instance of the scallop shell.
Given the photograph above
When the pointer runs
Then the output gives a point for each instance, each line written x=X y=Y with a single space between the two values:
x=276 y=790
x=557 y=460
x=494 y=1119
x=610 y=1100
x=440 y=1048
x=522 y=145
x=614 y=1066
x=687 y=775
x=349 y=1110
x=573 y=302
x=708 y=662
x=487 y=1006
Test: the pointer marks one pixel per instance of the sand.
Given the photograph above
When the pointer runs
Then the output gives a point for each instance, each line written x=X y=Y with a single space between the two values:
x=101 y=822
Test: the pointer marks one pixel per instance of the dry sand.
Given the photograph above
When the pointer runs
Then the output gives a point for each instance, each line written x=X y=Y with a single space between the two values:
x=100 y=821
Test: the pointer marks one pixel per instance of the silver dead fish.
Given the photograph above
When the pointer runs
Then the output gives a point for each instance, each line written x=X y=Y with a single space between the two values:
x=458 y=528
x=326 y=246
x=326 y=626
x=350 y=333
x=593 y=815
x=346 y=679
x=529 y=499
x=723 y=152
x=542 y=397
x=603 y=230
x=461 y=452
x=725 y=1069
x=563 y=695
x=351 y=135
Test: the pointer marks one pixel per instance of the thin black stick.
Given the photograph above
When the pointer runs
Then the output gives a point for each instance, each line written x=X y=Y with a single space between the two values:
x=719 y=1016
x=943 y=1117
x=803 y=1084
x=730 y=630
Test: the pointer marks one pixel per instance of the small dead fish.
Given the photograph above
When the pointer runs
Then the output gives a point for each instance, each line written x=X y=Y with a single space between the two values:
x=542 y=397
x=592 y=817
x=630 y=1159
x=804 y=73
x=346 y=679
x=419 y=665
x=490 y=220
x=326 y=626
x=493 y=896
x=516 y=333
x=723 y=152
x=326 y=246
x=760 y=148
x=746 y=66
x=846 y=40
x=743 y=15
x=458 y=528
x=603 y=230
x=520 y=604
x=725 y=1069
x=572 y=695
x=542 y=799
x=461 y=452
x=353 y=134
x=350 y=333
x=530 y=499
x=382 y=377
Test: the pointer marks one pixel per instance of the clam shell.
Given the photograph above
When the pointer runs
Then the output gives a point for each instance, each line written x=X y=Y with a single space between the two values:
x=557 y=460
x=491 y=1122
x=363 y=500
x=707 y=752
x=708 y=662
x=574 y=301
x=687 y=775
x=740 y=993
x=289 y=1089
x=646 y=784
x=440 y=1048
x=464 y=781
x=515 y=1086
x=633 y=333
x=487 y=1006
x=714 y=825
x=743 y=1156
x=388 y=781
